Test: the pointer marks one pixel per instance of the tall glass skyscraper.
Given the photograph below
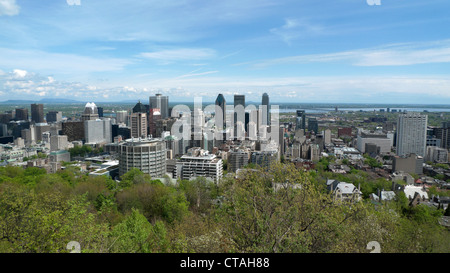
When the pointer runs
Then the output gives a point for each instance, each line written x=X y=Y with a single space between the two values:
x=265 y=120
x=221 y=108
x=239 y=116
x=161 y=102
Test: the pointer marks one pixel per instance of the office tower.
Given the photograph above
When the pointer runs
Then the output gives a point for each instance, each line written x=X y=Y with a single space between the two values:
x=58 y=143
x=265 y=110
x=138 y=124
x=301 y=120
x=97 y=131
x=3 y=130
x=148 y=155
x=199 y=163
x=237 y=159
x=154 y=115
x=161 y=102
x=436 y=154
x=37 y=113
x=41 y=128
x=120 y=130
x=90 y=112
x=29 y=135
x=5 y=117
x=100 y=112
x=411 y=163
x=443 y=134
x=139 y=108
x=21 y=114
x=313 y=125
x=74 y=130
x=54 y=116
x=264 y=158
x=384 y=141
x=239 y=116
x=163 y=125
x=220 y=113
x=411 y=134
x=122 y=117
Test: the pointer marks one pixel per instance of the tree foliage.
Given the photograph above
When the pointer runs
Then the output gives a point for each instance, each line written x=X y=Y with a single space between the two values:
x=279 y=209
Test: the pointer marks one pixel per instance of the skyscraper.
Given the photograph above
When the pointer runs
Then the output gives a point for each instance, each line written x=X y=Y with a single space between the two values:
x=90 y=112
x=139 y=108
x=301 y=119
x=138 y=124
x=265 y=110
x=411 y=134
x=220 y=113
x=148 y=155
x=21 y=114
x=54 y=116
x=313 y=125
x=239 y=116
x=161 y=102
x=37 y=113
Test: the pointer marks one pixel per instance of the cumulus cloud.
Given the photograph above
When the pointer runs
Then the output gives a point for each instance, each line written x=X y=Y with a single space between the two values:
x=9 y=7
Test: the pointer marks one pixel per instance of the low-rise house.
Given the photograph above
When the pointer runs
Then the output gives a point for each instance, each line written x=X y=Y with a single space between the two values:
x=344 y=191
x=383 y=196
x=411 y=191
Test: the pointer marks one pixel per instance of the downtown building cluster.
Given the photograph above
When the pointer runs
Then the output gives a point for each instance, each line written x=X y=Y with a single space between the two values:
x=181 y=142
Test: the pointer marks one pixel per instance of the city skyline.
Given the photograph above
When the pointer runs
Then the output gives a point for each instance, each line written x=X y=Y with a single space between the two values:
x=308 y=51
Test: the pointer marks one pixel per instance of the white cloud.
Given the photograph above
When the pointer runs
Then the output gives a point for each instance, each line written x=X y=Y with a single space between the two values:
x=63 y=63
x=18 y=73
x=181 y=54
x=387 y=55
x=295 y=29
x=9 y=7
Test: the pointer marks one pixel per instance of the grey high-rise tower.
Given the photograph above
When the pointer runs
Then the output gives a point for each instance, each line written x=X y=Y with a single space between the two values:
x=221 y=108
x=161 y=102
x=239 y=115
x=265 y=110
x=411 y=134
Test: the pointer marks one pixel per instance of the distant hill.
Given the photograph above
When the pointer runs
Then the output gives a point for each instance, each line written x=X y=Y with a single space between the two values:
x=45 y=100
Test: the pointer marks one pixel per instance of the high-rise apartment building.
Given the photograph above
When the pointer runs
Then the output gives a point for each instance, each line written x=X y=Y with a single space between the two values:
x=199 y=163
x=148 y=155
x=138 y=125
x=161 y=102
x=37 y=113
x=411 y=134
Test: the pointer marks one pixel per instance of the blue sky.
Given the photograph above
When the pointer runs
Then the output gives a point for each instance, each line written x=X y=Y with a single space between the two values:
x=297 y=51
